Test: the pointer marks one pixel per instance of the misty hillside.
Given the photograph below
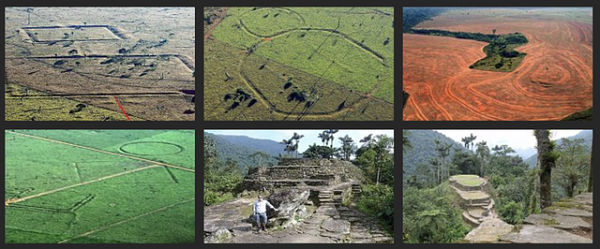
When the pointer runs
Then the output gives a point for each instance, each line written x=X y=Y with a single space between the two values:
x=423 y=148
x=586 y=135
x=239 y=148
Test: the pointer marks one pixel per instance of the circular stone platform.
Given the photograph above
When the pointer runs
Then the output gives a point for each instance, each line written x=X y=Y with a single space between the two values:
x=151 y=148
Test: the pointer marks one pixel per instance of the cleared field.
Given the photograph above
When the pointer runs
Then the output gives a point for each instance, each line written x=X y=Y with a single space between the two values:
x=553 y=81
x=138 y=63
x=301 y=64
x=58 y=193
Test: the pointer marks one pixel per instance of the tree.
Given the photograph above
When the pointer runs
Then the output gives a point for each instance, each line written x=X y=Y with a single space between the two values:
x=289 y=145
x=591 y=177
x=376 y=160
x=572 y=164
x=331 y=132
x=443 y=150
x=296 y=137
x=405 y=142
x=368 y=139
x=348 y=147
x=546 y=158
x=483 y=152
x=468 y=141
x=258 y=157
x=318 y=151
x=324 y=137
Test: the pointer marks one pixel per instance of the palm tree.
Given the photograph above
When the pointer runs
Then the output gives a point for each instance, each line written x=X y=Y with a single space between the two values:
x=483 y=151
x=471 y=140
x=348 y=147
x=296 y=137
x=367 y=140
x=288 y=145
x=324 y=137
x=331 y=132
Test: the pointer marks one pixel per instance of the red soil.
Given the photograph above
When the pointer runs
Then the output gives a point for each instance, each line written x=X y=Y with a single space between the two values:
x=553 y=81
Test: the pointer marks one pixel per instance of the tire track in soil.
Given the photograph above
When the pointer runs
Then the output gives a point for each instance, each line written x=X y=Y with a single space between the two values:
x=100 y=229
x=566 y=46
x=103 y=151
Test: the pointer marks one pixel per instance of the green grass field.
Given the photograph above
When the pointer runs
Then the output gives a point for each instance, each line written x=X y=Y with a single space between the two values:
x=80 y=186
x=340 y=60
x=468 y=180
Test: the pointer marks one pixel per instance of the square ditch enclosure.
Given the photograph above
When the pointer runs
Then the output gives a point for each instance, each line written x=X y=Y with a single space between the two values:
x=50 y=34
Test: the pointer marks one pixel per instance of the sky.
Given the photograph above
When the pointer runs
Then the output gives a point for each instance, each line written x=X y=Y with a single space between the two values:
x=521 y=141
x=310 y=136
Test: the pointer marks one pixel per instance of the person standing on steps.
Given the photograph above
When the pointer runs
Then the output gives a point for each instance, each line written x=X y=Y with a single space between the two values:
x=260 y=213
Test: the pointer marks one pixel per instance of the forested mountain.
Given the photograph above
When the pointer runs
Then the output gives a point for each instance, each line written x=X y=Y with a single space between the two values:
x=586 y=135
x=423 y=148
x=240 y=149
x=269 y=146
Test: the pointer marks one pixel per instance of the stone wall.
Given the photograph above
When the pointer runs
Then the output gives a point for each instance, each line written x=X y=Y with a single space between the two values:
x=301 y=172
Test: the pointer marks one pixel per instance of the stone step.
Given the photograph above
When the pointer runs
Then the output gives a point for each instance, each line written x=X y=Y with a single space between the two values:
x=558 y=221
x=489 y=231
x=476 y=213
x=481 y=205
x=470 y=220
x=543 y=234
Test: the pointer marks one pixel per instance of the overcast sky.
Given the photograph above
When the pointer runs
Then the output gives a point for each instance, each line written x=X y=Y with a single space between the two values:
x=310 y=136
x=522 y=141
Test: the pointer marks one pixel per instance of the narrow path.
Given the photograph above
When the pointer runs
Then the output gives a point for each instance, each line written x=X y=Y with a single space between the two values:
x=10 y=201
x=215 y=23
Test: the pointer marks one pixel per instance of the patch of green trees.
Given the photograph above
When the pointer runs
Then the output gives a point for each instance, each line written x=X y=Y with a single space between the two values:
x=500 y=53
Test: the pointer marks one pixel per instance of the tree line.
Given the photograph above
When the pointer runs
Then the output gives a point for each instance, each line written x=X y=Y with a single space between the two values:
x=564 y=169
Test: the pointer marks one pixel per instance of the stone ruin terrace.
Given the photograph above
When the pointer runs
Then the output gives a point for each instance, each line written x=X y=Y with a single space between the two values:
x=302 y=173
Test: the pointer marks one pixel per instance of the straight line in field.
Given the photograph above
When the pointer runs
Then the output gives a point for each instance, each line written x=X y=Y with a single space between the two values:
x=121 y=107
x=125 y=221
x=8 y=202
x=103 y=151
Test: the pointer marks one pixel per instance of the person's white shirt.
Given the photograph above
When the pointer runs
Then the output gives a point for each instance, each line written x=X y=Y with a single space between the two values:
x=261 y=206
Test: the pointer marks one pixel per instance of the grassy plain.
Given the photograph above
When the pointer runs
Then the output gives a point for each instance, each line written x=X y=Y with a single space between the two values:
x=88 y=56
x=342 y=59
x=60 y=193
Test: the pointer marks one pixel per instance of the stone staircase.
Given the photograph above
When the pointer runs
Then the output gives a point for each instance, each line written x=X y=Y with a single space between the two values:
x=356 y=189
x=477 y=204
x=325 y=198
x=478 y=209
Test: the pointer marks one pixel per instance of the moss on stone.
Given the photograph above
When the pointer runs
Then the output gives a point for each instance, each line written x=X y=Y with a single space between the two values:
x=550 y=222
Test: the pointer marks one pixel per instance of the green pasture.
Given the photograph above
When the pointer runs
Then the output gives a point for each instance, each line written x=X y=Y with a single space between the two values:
x=270 y=78
x=302 y=38
x=349 y=48
x=35 y=166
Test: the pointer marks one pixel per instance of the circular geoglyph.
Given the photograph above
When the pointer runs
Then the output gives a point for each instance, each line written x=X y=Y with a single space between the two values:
x=150 y=148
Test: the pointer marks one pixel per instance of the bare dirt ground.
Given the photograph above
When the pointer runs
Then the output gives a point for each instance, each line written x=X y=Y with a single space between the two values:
x=554 y=80
x=143 y=56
